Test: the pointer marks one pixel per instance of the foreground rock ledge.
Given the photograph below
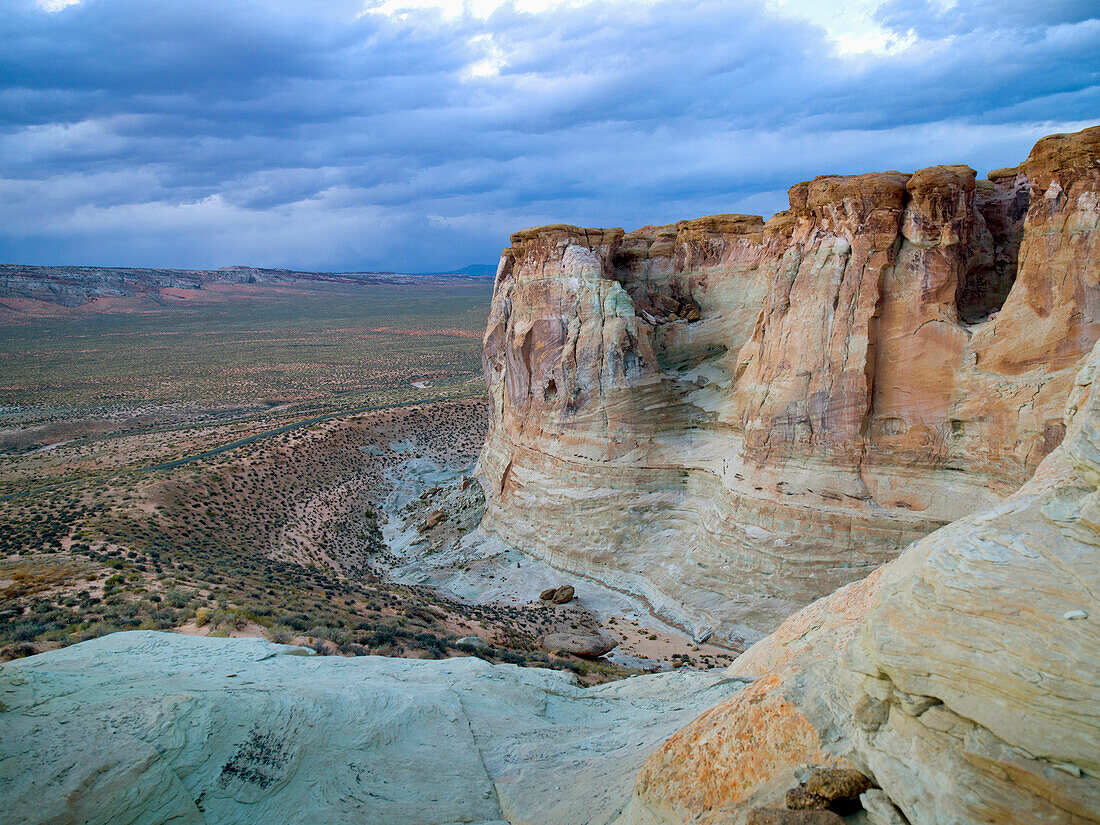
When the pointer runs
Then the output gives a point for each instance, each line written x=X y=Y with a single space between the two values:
x=145 y=727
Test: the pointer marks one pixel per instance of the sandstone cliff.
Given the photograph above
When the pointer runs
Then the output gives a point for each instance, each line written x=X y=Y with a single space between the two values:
x=963 y=677
x=733 y=417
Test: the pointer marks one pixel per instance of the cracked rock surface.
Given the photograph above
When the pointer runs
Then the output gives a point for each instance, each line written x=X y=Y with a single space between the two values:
x=147 y=727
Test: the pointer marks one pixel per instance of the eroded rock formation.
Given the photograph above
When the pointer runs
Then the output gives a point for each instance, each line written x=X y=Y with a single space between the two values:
x=963 y=677
x=732 y=417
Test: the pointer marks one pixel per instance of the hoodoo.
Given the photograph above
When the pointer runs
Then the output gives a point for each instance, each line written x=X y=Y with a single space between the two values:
x=732 y=417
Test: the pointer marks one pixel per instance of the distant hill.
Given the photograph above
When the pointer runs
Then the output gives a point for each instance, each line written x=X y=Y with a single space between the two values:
x=76 y=285
x=478 y=271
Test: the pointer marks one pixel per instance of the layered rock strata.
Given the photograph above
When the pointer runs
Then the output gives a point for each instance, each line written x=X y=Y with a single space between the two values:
x=962 y=677
x=733 y=417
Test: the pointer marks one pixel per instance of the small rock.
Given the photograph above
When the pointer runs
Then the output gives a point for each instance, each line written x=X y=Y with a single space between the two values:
x=564 y=594
x=579 y=644
x=800 y=799
x=771 y=816
x=1068 y=767
x=548 y=594
x=916 y=704
x=1075 y=614
x=475 y=642
x=704 y=634
x=434 y=517
x=880 y=810
x=870 y=713
x=837 y=784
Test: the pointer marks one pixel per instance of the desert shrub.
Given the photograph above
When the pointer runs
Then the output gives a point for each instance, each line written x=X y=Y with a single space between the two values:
x=510 y=656
x=28 y=631
x=381 y=637
x=176 y=598
x=299 y=622
x=94 y=631
x=228 y=619
x=429 y=641
x=281 y=634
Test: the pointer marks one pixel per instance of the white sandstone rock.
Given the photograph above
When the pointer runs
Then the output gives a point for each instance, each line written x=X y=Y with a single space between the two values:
x=146 y=727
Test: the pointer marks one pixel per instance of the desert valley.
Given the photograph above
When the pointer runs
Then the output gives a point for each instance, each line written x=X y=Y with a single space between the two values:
x=780 y=522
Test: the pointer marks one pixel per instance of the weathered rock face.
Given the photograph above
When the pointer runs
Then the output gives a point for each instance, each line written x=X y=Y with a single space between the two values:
x=152 y=728
x=963 y=677
x=733 y=417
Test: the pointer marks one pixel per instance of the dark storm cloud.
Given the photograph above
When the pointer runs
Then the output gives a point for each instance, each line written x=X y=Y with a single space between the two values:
x=206 y=132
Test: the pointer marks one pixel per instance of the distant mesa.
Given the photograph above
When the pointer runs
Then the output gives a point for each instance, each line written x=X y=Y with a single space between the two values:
x=74 y=286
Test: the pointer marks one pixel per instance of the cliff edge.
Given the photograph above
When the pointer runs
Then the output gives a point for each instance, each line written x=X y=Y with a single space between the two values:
x=733 y=417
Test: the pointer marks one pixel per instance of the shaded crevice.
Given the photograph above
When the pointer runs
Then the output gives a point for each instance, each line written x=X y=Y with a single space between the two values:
x=984 y=288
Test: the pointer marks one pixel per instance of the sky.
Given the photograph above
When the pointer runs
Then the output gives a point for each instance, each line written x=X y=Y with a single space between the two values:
x=415 y=135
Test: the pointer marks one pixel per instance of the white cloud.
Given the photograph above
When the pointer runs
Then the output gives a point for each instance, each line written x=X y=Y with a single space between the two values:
x=285 y=133
x=453 y=9
x=850 y=25
x=56 y=5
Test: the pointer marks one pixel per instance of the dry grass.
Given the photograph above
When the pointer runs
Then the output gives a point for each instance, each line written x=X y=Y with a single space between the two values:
x=20 y=578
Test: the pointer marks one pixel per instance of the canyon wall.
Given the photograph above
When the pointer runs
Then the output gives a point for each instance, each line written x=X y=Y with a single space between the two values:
x=732 y=417
x=963 y=677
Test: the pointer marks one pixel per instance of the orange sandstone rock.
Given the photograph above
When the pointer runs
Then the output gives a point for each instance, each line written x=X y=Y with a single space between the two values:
x=960 y=677
x=731 y=418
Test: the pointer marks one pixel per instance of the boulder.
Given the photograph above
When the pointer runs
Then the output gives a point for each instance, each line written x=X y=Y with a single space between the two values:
x=837 y=784
x=433 y=518
x=475 y=642
x=564 y=594
x=547 y=595
x=589 y=645
x=800 y=798
x=880 y=810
